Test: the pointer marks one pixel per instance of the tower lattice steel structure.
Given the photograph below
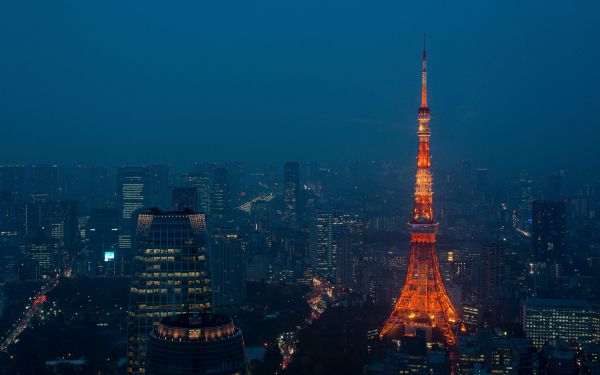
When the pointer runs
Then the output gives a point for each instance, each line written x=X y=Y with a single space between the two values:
x=423 y=301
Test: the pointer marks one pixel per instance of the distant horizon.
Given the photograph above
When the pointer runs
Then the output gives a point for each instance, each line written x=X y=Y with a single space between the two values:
x=119 y=83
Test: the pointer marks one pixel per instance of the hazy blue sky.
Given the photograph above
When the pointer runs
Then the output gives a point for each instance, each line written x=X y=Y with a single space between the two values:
x=133 y=81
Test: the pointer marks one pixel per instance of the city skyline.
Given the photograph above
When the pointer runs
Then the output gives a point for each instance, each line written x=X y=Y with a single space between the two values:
x=194 y=189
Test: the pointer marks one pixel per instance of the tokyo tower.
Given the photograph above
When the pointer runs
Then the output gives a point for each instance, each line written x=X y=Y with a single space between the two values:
x=423 y=302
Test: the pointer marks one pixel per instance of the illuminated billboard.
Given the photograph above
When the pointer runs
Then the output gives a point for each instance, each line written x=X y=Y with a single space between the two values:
x=109 y=256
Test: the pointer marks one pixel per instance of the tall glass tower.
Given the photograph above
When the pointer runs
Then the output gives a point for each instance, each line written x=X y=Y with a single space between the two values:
x=170 y=275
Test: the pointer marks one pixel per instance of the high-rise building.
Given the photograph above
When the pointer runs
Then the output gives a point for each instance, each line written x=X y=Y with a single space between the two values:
x=219 y=194
x=573 y=320
x=130 y=191
x=189 y=344
x=184 y=198
x=35 y=217
x=490 y=270
x=45 y=256
x=201 y=182
x=131 y=199
x=100 y=190
x=481 y=185
x=235 y=182
x=170 y=275
x=228 y=269
x=157 y=191
x=524 y=202
x=291 y=190
x=348 y=234
x=12 y=194
x=103 y=239
x=424 y=302
x=322 y=245
x=12 y=181
x=549 y=230
x=43 y=180
x=64 y=229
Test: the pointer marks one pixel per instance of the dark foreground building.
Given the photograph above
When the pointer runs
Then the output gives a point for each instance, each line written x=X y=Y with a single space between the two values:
x=170 y=275
x=191 y=344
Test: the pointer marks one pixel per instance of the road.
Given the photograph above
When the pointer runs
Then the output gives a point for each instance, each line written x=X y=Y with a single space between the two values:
x=321 y=295
x=30 y=312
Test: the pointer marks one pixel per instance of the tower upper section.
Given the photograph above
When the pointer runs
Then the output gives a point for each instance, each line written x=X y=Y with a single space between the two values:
x=423 y=212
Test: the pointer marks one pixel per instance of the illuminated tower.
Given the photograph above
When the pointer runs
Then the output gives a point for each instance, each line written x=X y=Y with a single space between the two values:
x=423 y=302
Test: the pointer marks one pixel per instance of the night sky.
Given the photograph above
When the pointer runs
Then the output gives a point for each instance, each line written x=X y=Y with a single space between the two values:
x=511 y=84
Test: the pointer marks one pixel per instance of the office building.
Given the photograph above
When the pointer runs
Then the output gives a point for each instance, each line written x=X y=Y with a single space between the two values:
x=170 y=275
x=549 y=230
x=184 y=198
x=228 y=269
x=101 y=249
x=12 y=181
x=44 y=255
x=43 y=181
x=322 y=246
x=348 y=231
x=195 y=344
x=524 y=204
x=291 y=190
x=572 y=320
x=219 y=194
x=201 y=182
x=130 y=191
x=157 y=192
x=489 y=271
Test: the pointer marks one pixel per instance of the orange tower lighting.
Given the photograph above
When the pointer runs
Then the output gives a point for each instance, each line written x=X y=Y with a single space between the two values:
x=424 y=300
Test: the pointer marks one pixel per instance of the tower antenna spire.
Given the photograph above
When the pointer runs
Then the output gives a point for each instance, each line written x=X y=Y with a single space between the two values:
x=424 y=77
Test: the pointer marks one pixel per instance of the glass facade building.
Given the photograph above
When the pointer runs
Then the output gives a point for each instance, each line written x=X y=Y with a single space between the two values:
x=170 y=275
x=569 y=319
x=192 y=344
x=228 y=260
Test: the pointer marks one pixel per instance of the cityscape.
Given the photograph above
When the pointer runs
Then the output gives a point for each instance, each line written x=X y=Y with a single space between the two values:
x=143 y=247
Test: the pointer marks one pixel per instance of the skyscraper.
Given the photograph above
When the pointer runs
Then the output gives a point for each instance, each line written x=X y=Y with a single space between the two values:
x=196 y=344
x=348 y=238
x=322 y=249
x=103 y=240
x=548 y=230
x=201 y=182
x=43 y=180
x=130 y=200
x=12 y=193
x=424 y=302
x=219 y=194
x=157 y=192
x=184 y=198
x=524 y=203
x=130 y=191
x=170 y=275
x=291 y=190
x=228 y=269
x=490 y=267
x=45 y=256
x=12 y=181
